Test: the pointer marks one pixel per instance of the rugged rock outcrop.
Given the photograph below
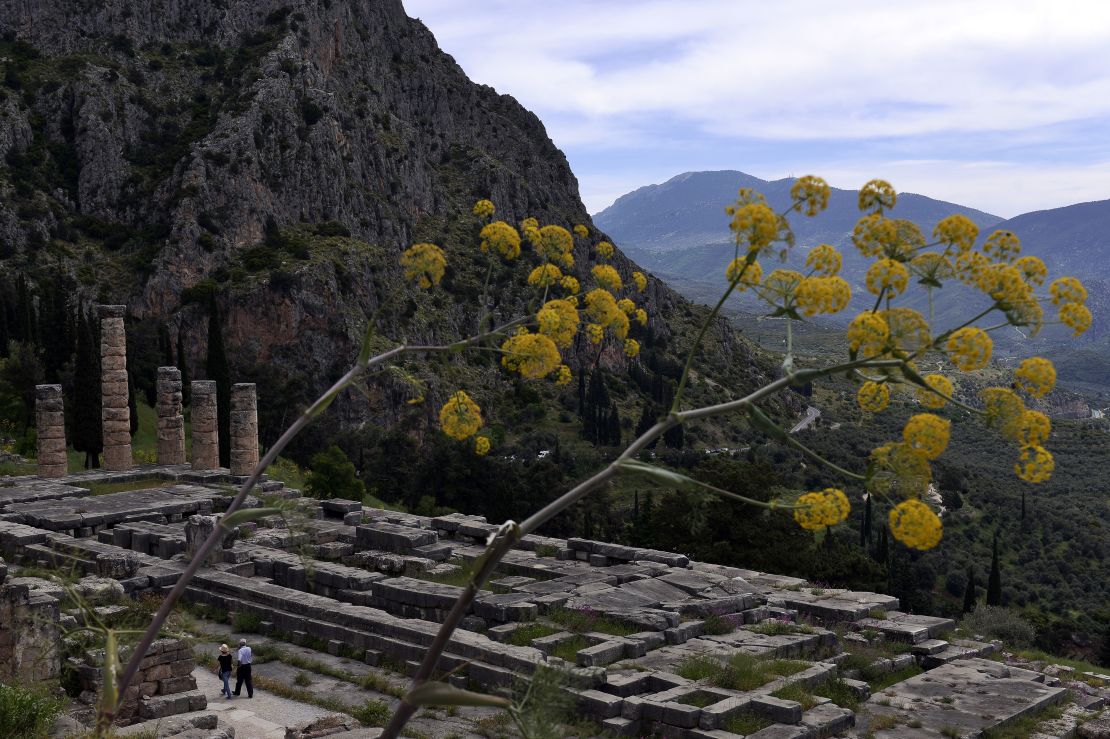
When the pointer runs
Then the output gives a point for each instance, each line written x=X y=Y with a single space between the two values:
x=276 y=156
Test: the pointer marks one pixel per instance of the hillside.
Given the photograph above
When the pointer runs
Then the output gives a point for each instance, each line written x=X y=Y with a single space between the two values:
x=277 y=157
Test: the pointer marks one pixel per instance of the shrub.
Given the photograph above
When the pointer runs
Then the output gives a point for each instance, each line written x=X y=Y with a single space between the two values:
x=334 y=476
x=27 y=712
x=247 y=621
x=996 y=622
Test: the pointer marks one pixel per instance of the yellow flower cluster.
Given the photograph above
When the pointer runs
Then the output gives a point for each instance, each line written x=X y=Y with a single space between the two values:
x=558 y=320
x=563 y=375
x=595 y=332
x=824 y=260
x=531 y=355
x=1032 y=269
x=1036 y=376
x=817 y=510
x=874 y=235
x=932 y=268
x=554 y=243
x=915 y=524
x=873 y=397
x=941 y=384
x=1003 y=246
x=811 y=192
x=424 y=263
x=970 y=265
x=877 y=195
x=631 y=347
x=501 y=238
x=957 y=231
x=1070 y=295
x=481 y=445
x=460 y=417
x=1003 y=409
x=640 y=279
x=909 y=331
x=545 y=275
x=928 y=434
x=641 y=316
x=754 y=224
x=969 y=348
x=888 y=275
x=607 y=277
x=899 y=469
x=1035 y=464
x=530 y=227
x=748 y=274
x=604 y=250
x=570 y=284
x=823 y=295
x=1034 y=429
x=868 y=334
x=602 y=308
x=780 y=288
x=483 y=209
x=581 y=231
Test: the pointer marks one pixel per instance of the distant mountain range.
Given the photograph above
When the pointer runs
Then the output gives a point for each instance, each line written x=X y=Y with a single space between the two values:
x=679 y=230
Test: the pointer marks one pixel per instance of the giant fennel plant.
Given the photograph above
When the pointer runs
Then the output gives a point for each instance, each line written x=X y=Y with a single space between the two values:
x=884 y=345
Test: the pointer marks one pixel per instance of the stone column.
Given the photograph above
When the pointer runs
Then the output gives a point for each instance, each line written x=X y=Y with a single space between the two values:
x=244 y=428
x=50 y=424
x=206 y=432
x=171 y=422
x=113 y=389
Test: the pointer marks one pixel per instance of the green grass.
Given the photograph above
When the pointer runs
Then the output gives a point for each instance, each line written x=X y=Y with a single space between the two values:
x=747 y=722
x=460 y=578
x=699 y=699
x=523 y=636
x=107 y=488
x=883 y=682
x=247 y=621
x=739 y=672
x=289 y=472
x=545 y=550
x=1039 y=656
x=838 y=692
x=370 y=713
x=774 y=627
x=798 y=693
x=568 y=650
x=1025 y=726
x=585 y=620
x=370 y=681
x=26 y=712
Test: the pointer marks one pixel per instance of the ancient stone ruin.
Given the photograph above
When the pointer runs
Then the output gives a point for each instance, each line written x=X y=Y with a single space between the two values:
x=50 y=425
x=244 y=429
x=115 y=414
x=171 y=420
x=206 y=434
x=628 y=625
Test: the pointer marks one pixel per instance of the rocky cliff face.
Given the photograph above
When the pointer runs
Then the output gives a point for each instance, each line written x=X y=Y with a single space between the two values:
x=277 y=156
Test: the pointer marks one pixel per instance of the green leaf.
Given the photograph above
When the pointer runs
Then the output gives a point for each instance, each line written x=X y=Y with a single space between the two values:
x=243 y=515
x=929 y=281
x=442 y=694
x=364 y=352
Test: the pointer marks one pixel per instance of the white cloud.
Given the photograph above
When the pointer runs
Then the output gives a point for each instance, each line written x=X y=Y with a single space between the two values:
x=616 y=75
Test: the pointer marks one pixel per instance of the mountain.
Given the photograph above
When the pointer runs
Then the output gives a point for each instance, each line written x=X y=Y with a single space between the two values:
x=276 y=157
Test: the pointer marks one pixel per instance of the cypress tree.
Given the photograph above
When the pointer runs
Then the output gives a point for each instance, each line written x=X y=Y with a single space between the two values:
x=969 y=591
x=675 y=437
x=5 y=336
x=87 y=436
x=1104 y=653
x=647 y=420
x=132 y=407
x=865 y=528
x=165 y=346
x=882 y=551
x=614 y=426
x=186 y=379
x=218 y=369
x=994 y=583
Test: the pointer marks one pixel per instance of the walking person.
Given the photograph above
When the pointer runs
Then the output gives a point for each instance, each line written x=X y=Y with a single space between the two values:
x=243 y=672
x=224 y=669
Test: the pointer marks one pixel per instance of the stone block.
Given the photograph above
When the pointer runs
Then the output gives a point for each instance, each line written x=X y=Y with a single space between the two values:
x=597 y=703
x=777 y=709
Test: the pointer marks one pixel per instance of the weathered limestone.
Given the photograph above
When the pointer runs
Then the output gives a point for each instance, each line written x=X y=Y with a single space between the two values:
x=244 y=428
x=50 y=425
x=164 y=685
x=114 y=412
x=28 y=633
x=171 y=421
x=206 y=433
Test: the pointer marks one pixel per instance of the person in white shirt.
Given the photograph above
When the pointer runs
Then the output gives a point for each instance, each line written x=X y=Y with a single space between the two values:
x=243 y=672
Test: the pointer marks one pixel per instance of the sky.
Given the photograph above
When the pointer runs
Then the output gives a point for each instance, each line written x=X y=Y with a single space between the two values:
x=1002 y=106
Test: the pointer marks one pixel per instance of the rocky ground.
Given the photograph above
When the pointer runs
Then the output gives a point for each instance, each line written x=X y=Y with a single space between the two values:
x=340 y=601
